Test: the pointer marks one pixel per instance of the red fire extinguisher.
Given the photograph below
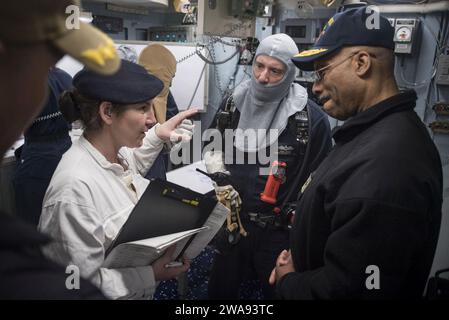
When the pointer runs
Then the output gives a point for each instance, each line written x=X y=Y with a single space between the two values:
x=274 y=181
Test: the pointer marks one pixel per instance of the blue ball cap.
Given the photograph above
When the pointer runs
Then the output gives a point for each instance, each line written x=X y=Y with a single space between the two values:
x=354 y=27
x=130 y=84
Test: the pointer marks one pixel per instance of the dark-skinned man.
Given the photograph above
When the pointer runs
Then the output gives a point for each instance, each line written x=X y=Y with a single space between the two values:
x=368 y=221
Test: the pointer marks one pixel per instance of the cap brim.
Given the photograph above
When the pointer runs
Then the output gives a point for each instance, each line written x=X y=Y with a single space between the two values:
x=305 y=59
x=91 y=47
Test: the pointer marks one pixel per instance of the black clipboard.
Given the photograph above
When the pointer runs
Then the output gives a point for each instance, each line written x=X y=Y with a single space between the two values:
x=165 y=208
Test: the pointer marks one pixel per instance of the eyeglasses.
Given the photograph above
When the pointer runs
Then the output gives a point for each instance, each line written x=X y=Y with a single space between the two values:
x=319 y=74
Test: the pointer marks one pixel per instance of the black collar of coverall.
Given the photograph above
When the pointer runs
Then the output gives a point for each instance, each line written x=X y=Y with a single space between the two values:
x=15 y=233
x=405 y=100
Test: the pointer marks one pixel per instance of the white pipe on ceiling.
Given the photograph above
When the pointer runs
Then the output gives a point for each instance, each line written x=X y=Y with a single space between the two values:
x=415 y=8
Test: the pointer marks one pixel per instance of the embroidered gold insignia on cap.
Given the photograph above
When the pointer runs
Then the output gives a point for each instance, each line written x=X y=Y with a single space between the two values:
x=328 y=24
x=101 y=53
x=312 y=52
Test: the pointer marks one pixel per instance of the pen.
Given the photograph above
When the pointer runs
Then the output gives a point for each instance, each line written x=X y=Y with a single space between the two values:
x=173 y=264
x=172 y=194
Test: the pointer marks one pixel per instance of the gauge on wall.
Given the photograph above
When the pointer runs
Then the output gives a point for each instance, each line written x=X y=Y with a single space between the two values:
x=403 y=34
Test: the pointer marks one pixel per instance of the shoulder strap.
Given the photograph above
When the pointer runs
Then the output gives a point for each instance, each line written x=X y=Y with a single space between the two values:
x=300 y=122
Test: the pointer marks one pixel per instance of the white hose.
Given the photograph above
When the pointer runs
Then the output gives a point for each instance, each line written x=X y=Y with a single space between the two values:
x=415 y=8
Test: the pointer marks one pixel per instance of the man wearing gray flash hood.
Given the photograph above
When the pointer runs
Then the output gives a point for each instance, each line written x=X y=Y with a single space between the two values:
x=280 y=114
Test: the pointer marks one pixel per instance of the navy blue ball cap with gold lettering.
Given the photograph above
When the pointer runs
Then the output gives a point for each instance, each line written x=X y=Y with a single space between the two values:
x=55 y=22
x=129 y=85
x=354 y=27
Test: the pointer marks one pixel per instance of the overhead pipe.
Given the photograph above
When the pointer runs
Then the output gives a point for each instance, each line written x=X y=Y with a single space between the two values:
x=415 y=8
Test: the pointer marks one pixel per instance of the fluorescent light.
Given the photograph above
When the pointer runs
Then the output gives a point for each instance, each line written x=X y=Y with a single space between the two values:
x=86 y=17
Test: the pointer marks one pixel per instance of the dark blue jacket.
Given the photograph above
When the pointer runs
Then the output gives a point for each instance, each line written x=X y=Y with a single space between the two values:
x=26 y=274
x=374 y=201
x=46 y=140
